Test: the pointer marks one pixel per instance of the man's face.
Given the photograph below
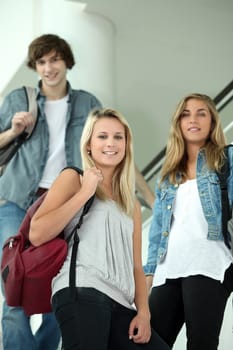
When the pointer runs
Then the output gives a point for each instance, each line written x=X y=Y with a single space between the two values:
x=51 y=69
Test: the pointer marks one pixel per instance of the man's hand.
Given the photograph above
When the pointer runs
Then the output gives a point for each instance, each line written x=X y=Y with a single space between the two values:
x=21 y=121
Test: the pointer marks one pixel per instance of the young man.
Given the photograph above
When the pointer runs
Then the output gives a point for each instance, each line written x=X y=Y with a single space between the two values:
x=54 y=144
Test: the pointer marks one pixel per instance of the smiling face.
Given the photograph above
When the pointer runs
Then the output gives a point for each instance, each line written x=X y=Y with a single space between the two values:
x=195 y=122
x=52 y=70
x=108 y=143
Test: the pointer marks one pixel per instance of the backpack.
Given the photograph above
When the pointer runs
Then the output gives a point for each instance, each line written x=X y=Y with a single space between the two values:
x=27 y=271
x=227 y=217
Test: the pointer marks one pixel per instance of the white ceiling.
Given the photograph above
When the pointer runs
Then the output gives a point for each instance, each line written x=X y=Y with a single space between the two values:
x=165 y=49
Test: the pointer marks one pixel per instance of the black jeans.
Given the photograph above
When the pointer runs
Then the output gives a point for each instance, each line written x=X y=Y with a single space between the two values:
x=93 y=321
x=197 y=301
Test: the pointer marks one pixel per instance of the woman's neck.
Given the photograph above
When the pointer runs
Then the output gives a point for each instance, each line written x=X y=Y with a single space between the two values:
x=192 y=153
x=107 y=189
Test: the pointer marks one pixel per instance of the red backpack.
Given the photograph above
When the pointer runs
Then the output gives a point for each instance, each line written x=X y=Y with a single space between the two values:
x=27 y=271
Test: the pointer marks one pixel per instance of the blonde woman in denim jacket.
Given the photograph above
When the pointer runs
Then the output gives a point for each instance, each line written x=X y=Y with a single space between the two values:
x=189 y=266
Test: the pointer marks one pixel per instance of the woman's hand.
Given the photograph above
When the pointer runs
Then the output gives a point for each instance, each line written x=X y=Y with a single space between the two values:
x=90 y=180
x=140 y=329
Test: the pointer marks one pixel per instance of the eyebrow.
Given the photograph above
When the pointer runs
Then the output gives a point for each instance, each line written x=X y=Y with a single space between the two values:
x=106 y=132
x=199 y=109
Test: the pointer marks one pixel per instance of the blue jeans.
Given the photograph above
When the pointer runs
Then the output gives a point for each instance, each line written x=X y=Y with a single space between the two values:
x=17 y=332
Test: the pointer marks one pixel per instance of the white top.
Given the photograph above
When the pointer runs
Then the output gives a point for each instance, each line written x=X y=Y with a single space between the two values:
x=105 y=253
x=55 y=111
x=189 y=251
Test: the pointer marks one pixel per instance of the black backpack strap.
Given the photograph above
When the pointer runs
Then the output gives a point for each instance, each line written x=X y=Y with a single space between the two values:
x=223 y=175
x=74 y=233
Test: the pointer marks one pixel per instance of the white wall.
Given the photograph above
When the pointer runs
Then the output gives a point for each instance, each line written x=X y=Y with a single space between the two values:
x=16 y=31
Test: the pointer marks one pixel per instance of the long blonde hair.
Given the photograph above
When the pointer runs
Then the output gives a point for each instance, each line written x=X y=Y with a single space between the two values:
x=123 y=182
x=176 y=156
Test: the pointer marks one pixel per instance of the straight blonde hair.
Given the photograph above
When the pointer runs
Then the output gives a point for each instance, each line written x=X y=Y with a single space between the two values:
x=123 y=182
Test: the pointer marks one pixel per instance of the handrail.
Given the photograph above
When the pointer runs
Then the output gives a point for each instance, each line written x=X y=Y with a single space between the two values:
x=222 y=99
x=223 y=93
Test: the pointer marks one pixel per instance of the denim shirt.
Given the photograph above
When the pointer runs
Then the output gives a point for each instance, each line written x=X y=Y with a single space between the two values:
x=23 y=173
x=210 y=197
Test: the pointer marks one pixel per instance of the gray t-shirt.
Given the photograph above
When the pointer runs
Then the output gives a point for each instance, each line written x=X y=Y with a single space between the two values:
x=105 y=253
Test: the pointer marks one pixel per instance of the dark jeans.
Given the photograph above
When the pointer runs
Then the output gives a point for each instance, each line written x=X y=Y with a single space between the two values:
x=93 y=321
x=197 y=301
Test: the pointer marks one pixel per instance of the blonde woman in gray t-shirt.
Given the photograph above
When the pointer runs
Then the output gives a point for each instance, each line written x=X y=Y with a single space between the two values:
x=111 y=308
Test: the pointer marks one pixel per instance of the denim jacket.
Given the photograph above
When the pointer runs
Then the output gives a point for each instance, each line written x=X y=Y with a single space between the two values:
x=210 y=197
x=23 y=173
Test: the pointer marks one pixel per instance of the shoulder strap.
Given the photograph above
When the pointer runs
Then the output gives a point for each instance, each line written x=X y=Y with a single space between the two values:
x=85 y=208
x=74 y=233
x=32 y=106
x=223 y=175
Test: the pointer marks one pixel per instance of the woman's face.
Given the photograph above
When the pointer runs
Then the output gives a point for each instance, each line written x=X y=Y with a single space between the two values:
x=108 y=142
x=195 y=122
